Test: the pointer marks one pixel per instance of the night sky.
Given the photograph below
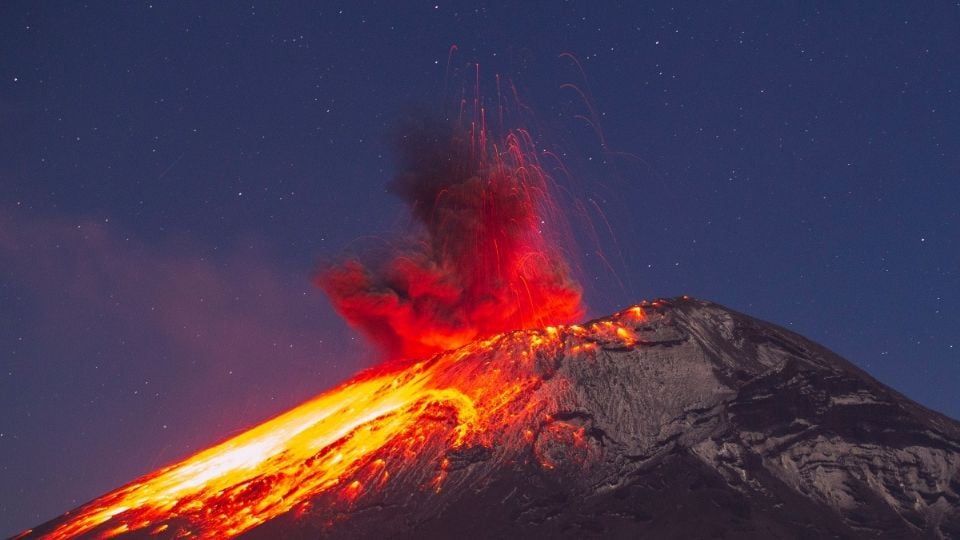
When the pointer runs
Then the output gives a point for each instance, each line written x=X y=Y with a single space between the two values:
x=171 y=176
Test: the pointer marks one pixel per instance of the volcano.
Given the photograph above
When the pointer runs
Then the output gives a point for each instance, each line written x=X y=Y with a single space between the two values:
x=672 y=419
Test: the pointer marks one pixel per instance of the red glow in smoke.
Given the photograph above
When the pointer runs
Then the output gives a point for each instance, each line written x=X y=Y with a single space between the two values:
x=486 y=260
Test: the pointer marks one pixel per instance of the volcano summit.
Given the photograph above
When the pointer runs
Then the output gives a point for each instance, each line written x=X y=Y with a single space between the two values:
x=672 y=419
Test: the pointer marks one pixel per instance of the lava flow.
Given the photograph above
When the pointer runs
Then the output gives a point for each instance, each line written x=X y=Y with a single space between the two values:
x=345 y=443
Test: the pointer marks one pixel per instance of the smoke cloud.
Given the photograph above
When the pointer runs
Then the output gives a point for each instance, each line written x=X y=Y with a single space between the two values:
x=483 y=258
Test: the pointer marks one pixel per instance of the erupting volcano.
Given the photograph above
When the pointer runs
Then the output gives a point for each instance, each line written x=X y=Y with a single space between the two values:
x=495 y=416
x=672 y=419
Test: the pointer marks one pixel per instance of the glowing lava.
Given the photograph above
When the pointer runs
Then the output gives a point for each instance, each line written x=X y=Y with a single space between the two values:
x=346 y=442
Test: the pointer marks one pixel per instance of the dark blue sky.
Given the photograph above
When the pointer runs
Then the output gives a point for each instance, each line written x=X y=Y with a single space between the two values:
x=171 y=175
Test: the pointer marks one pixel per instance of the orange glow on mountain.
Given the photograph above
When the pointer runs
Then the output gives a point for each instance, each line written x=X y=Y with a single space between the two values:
x=346 y=442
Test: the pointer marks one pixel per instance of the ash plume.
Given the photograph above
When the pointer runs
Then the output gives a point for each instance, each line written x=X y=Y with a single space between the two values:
x=482 y=258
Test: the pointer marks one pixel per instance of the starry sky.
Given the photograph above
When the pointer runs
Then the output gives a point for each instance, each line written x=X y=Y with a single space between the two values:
x=172 y=175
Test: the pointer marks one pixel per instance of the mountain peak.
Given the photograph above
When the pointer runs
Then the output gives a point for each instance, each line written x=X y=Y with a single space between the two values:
x=676 y=418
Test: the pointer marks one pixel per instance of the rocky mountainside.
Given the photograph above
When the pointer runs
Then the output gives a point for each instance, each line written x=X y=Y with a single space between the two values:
x=675 y=419
x=712 y=425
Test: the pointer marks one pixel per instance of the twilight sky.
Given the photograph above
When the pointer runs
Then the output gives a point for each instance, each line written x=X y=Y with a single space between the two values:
x=171 y=176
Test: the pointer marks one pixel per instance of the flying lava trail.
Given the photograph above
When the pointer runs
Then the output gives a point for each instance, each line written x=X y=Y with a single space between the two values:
x=482 y=266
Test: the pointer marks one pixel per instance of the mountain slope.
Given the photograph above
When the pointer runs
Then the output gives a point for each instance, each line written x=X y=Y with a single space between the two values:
x=673 y=419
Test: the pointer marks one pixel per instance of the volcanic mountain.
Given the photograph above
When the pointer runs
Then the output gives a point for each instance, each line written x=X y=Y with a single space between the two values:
x=672 y=419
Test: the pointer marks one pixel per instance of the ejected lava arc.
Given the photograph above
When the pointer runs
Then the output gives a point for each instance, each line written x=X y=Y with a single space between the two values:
x=485 y=258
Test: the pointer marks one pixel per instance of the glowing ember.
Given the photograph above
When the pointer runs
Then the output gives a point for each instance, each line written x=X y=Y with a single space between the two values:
x=345 y=442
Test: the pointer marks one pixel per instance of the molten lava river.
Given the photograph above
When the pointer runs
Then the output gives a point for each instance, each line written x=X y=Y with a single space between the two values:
x=347 y=442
